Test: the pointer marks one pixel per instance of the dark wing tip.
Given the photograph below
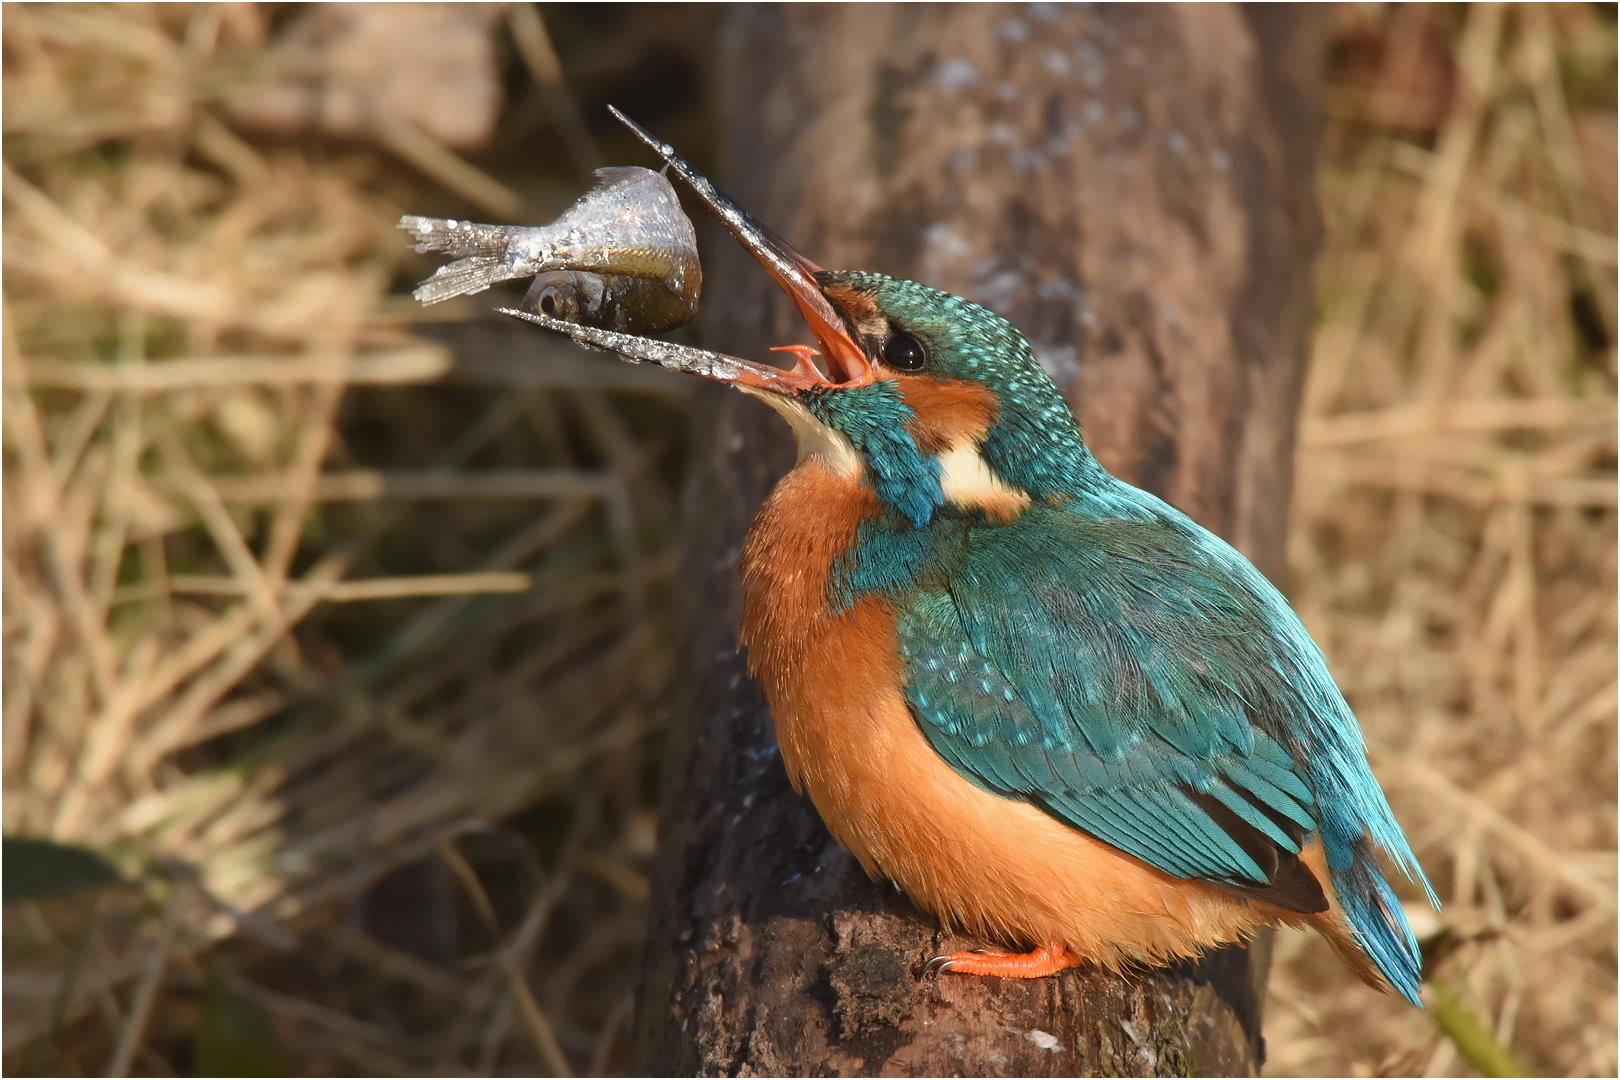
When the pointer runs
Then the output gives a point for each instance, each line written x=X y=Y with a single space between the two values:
x=1289 y=885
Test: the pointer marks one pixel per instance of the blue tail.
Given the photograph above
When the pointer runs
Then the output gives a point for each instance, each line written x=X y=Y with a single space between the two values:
x=1353 y=817
x=1374 y=914
x=1369 y=904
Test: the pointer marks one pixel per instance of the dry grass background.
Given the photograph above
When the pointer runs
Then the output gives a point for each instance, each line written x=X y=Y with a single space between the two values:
x=351 y=666
x=1453 y=545
x=351 y=652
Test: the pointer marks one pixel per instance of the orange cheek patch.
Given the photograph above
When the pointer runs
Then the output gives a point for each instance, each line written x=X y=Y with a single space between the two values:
x=950 y=412
x=857 y=305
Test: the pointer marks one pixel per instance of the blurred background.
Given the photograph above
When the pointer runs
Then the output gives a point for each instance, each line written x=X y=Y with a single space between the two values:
x=338 y=631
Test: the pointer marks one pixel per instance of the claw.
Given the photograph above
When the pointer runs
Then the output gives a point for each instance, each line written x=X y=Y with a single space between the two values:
x=943 y=963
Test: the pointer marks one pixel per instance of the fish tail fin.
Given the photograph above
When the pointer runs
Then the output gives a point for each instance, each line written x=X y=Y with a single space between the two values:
x=485 y=254
x=469 y=275
x=462 y=238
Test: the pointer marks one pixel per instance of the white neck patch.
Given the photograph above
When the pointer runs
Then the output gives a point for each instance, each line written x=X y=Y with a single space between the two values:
x=969 y=484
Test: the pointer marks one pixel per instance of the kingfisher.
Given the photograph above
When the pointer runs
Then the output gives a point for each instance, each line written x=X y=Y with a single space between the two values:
x=1054 y=710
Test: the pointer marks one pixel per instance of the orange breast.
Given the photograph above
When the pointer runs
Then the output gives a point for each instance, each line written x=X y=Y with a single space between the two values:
x=995 y=867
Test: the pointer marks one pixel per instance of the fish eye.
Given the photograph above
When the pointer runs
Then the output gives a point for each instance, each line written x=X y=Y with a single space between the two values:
x=553 y=294
x=557 y=301
x=901 y=350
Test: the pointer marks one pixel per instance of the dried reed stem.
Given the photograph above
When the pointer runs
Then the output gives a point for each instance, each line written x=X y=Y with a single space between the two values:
x=540 y=1027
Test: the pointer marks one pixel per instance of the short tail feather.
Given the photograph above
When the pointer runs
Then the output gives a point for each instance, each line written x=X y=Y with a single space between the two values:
x=1367 y=927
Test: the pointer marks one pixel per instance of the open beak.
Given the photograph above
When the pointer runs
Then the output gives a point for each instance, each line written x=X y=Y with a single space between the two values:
x=843 y=361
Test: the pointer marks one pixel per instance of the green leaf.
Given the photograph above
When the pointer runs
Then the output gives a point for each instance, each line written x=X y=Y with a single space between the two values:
x=234 y=1036
x=34 y=869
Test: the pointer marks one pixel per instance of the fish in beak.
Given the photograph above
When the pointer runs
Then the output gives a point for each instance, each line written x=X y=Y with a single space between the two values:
x=843 y=362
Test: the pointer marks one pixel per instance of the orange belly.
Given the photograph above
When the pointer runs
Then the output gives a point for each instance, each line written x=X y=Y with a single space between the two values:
x=996 y=867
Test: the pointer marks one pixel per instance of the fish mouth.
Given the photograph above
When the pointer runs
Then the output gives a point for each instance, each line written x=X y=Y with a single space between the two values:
x=843 y=363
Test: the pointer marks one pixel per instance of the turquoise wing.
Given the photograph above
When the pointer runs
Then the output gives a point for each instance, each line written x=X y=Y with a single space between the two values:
x=1107 y=673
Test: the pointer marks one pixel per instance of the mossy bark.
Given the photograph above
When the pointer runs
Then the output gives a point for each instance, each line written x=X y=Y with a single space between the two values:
x=1132 y=187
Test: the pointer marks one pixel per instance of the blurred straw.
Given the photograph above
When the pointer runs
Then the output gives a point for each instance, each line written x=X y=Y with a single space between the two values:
x=140 y=1007
x=534 y=46
x=416 y=363
x=191 y=676
x=539 y=1026
x=450 y=169
x=1472 y=1039
x=344 y=592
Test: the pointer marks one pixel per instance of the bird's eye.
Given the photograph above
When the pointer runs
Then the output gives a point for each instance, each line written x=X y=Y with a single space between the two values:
x=902 y=351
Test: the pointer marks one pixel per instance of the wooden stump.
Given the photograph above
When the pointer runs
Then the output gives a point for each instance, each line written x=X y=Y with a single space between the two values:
x=1132 y=187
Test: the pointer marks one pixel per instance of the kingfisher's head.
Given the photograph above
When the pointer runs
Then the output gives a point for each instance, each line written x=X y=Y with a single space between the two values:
x=933 y=400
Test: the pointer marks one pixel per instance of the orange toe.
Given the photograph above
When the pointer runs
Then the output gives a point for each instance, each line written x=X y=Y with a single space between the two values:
x=1049 y=959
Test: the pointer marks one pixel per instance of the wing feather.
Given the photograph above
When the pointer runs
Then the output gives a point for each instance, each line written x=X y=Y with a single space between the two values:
x=1054 y=665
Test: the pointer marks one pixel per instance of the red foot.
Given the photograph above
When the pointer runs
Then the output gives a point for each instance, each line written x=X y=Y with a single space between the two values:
x=1049 y=959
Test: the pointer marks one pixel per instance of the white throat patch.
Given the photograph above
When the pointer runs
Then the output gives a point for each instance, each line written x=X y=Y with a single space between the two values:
x=816 y=440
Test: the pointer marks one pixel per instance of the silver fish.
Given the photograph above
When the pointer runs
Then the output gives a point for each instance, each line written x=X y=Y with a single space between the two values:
x=623 y=257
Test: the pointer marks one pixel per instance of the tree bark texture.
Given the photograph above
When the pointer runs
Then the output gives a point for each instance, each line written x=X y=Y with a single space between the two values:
x=1132 y=188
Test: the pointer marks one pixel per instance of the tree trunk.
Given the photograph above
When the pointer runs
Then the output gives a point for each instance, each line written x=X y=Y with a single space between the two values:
x=1131 y=186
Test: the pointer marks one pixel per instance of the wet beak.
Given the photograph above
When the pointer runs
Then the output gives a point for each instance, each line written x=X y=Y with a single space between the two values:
x=843 y=362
